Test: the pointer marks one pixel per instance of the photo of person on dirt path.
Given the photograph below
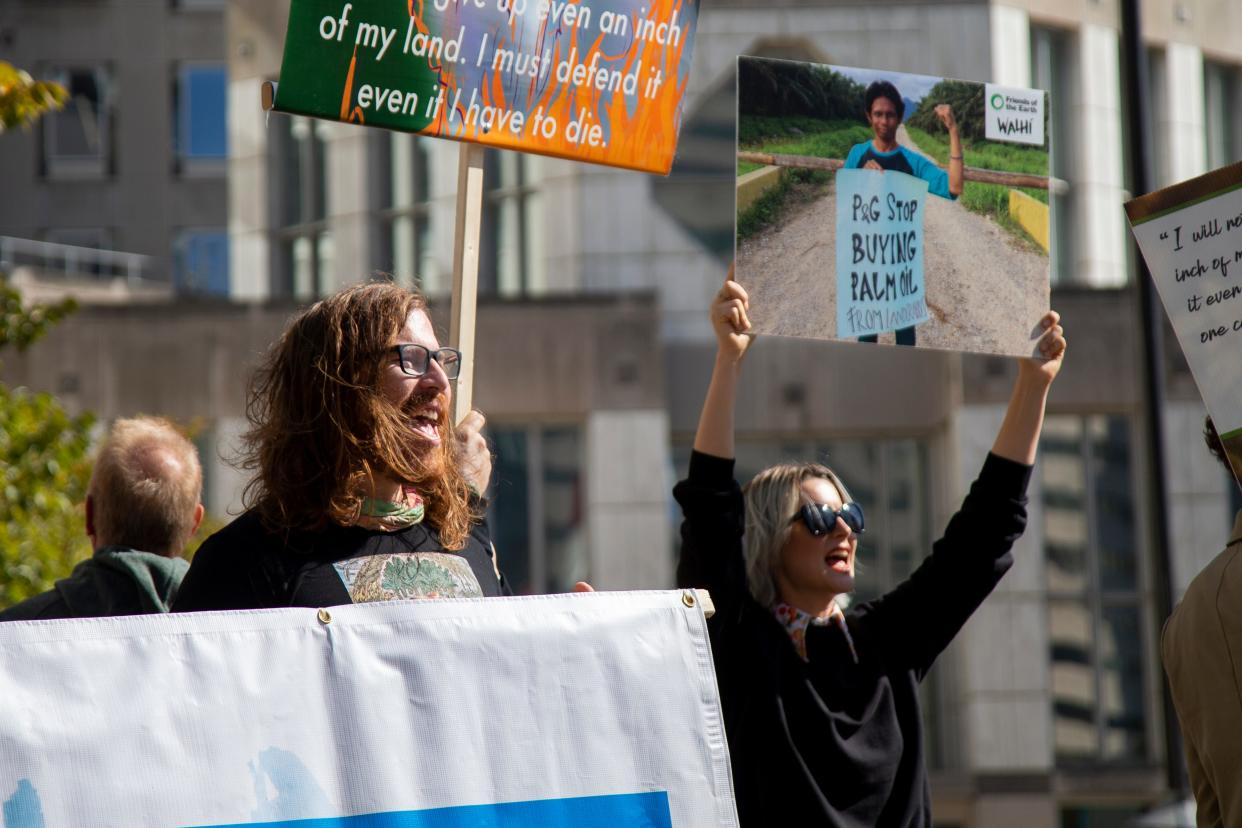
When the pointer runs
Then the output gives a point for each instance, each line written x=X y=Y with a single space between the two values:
x=833 y=251
x=885 y=111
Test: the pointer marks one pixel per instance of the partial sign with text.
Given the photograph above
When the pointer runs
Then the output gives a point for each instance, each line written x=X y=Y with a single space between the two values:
x=1014 y=114
x=590 y=80
x=1190 y=235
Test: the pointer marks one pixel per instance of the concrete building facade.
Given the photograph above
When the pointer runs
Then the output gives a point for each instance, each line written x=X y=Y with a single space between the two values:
x=136 y=162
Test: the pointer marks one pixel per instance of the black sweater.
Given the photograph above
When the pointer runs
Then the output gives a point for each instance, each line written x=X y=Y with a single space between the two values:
x=247 y=566
x=827 y=741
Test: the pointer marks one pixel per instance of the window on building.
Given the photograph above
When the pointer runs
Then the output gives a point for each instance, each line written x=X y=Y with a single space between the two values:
x=1052 y=69
x=1222 y=108
x=511 y=243
x=201 y=107
x=1095 y=594
x=537 y=507
x=405 y=213
x=77 y=140
x=304 y=264
x=1156 y=119
x=201 y=262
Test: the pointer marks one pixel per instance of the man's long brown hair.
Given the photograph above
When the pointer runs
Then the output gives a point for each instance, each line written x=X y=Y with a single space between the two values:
x=320 y=427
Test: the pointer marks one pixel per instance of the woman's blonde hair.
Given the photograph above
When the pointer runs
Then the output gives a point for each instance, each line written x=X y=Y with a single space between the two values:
x=773 y=498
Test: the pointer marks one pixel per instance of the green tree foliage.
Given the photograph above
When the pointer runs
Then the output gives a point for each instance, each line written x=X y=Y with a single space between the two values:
x=20 y=326
x=967 y=102
x=782 y=88
x=44 y=471
x=23 y=99
x=44 y=467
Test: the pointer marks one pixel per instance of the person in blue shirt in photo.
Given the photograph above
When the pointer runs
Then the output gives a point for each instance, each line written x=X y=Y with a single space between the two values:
x=885 y=110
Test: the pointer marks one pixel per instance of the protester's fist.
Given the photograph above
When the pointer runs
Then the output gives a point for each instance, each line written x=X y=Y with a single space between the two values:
x=473 y=455
x=872 y=164
x=945 y=113
x=729 y=319
x=1049 y=349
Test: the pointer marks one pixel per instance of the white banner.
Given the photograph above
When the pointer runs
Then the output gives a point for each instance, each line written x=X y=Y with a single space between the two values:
x=591 y=709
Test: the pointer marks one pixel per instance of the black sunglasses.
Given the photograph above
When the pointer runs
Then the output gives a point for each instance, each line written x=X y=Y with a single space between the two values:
x=415 y=359
x=821 y=518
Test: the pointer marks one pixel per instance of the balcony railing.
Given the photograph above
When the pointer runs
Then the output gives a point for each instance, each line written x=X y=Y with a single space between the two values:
x=52 y=260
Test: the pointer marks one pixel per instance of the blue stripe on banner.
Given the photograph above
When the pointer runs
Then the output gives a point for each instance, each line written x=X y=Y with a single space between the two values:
x=643 y=810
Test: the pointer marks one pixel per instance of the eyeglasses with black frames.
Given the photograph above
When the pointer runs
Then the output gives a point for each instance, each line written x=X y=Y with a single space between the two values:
x=416 y=360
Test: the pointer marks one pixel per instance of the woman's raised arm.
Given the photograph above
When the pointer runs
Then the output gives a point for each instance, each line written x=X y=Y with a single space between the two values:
x=714 y=435
x=1024 y=419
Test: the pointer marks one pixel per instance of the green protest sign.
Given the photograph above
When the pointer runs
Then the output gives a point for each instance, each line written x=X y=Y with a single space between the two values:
x=598 y=81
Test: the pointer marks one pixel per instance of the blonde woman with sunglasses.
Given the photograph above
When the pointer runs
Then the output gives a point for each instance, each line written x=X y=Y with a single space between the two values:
x=821 y=705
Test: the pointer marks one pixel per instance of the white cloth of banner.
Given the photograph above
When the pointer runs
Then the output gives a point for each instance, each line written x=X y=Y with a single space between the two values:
x=585 y=709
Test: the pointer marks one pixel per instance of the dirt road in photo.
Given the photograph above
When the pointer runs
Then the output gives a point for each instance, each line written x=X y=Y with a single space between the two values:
x=986 y=290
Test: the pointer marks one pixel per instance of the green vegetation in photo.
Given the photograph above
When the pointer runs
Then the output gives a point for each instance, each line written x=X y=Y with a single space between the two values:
x=989 y=199
x=799 y=136
x=967 y=102
x=785 y=89
x=792 y=136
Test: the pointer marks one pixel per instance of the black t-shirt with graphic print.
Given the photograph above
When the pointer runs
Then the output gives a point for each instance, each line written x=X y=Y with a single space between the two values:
x=247 y=566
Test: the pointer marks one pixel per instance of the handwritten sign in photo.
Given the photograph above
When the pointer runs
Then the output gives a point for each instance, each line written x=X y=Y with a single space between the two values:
x=872 y=206
x=1190 y=235
x=590 y=80
x=880 y=263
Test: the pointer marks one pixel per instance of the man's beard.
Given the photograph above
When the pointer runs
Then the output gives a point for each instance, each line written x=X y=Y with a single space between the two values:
x=430 y=456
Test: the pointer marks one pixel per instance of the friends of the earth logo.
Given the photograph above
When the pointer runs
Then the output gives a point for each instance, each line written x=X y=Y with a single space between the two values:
x=1014 y=114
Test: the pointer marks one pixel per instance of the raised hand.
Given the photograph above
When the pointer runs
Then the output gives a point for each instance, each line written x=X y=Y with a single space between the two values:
x=945 y=113
x=1018 y=437
x=729 y=319
x=1050 y=348
x=472 y=452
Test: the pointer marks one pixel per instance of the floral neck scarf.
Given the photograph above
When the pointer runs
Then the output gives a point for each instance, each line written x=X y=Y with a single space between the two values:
x=795 y=622
x=387 y=516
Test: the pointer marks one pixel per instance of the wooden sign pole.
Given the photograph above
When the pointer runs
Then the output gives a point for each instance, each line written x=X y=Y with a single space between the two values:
x=466 y=270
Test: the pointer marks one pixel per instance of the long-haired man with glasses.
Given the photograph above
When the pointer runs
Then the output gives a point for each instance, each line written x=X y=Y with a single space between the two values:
x=362 y=490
